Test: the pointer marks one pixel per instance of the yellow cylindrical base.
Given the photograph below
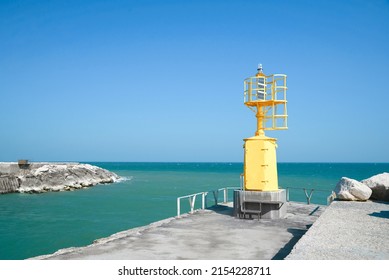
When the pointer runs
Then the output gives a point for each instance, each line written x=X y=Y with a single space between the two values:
x=260 y=164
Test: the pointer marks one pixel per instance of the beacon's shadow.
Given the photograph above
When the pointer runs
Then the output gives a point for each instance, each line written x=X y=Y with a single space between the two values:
x=221 y=209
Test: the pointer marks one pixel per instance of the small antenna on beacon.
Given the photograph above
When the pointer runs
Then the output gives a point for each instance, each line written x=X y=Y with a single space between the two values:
x=260 y=68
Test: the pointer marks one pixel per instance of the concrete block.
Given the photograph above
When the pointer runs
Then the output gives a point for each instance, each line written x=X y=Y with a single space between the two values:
x=262 y=204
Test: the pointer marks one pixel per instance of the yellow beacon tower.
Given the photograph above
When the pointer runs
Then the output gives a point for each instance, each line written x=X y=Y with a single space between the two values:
x=266 y=97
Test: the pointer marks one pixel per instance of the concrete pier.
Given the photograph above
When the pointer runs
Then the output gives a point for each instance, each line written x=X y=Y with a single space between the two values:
x=344 y=230
x=206 y=234
x=347 y=230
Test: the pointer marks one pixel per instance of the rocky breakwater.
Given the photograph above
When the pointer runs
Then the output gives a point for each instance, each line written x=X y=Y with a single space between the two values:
x=44 y=177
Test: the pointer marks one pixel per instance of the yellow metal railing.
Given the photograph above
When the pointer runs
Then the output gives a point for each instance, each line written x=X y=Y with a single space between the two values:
x=267 y=94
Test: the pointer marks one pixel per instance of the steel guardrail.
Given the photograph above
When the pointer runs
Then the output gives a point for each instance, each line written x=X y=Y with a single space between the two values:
x=192 y=197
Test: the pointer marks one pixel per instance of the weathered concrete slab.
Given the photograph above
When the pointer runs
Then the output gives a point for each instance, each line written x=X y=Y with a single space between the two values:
x=347 y=230
x=208 y=234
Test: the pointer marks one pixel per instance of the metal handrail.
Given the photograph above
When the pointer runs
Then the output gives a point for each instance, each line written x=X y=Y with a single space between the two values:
x=225 y=194
x=192 y=199
x=308 y=196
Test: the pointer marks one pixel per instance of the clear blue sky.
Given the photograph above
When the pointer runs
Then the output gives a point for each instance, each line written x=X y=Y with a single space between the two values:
x=163 y=80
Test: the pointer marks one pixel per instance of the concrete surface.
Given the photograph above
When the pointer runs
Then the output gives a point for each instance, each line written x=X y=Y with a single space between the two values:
x=347 y=230
x=207 y=234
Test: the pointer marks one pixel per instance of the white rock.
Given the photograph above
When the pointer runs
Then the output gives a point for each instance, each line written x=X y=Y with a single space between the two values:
x=350 y=189
x=31 y=190
x=379 y=184
x=42 y=169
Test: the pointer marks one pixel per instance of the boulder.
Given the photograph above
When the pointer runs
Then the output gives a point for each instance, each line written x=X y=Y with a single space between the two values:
x=350 y=189
x=379 y=184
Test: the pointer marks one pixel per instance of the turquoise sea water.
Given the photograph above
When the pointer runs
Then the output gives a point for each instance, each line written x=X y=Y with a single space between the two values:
x=36 y=224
